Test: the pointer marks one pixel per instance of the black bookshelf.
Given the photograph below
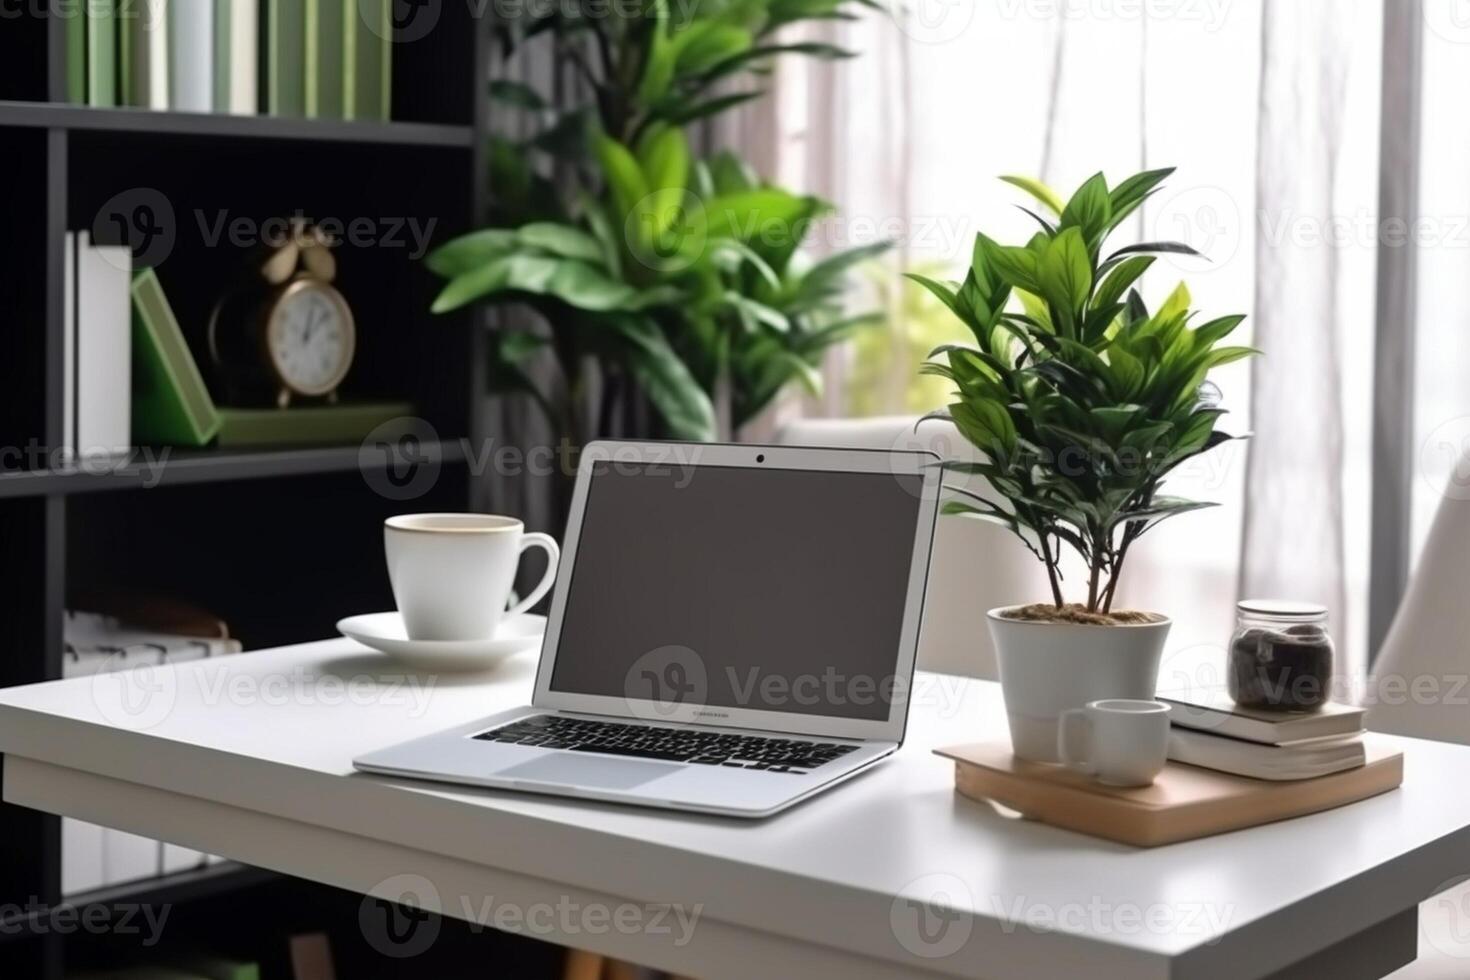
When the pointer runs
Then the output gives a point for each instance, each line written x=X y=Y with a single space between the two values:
x=277 y=541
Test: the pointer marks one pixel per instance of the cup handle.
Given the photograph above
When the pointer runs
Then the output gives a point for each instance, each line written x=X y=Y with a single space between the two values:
x=1071 y=722
x=535 y=539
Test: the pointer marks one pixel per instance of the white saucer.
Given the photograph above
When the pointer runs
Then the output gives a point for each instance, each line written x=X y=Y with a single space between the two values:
x=385 y=632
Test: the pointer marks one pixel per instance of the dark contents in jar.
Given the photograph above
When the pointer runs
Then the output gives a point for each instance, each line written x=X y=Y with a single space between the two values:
x=1288 y=669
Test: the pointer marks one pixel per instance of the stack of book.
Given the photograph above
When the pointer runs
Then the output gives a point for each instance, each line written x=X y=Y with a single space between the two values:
x=1212 y=731
x=96 y=857
x=327 y=59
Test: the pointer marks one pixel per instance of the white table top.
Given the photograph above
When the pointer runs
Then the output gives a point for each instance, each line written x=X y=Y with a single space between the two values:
x=274 y=733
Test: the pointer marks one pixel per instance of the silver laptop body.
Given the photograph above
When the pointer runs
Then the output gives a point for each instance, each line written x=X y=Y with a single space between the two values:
x=733 y=630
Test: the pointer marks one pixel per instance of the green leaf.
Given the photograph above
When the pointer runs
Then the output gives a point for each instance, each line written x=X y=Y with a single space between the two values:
x=624 y=176
x=516 y=94
x=1177 y=304
x=467 y=252
x=1132 y=192
x=1119 y=280
x=658 y=70
x=1229 y=355
x=562 y=240
x=1089 y=209
x=685 y=113
x=1175 y=248
x=518 y=346
x=704 y=45
x=473 y=284
x=1016 y=267
x=583 y=286
x=663 y=156
x=1038 y=190
x=1208 y=334
x=1065 y=275
x=666 y=380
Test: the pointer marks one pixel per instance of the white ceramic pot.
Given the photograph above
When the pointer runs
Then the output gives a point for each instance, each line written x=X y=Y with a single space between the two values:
x=1049 y=668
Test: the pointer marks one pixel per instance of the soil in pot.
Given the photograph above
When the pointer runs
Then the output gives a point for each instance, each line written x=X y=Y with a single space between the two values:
x=1076 y=613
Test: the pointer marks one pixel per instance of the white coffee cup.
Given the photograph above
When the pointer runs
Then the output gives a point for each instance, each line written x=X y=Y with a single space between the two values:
x=452 y=573
x=1119 y=742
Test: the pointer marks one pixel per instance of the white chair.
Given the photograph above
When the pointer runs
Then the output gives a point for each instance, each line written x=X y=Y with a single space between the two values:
x=1429 y=646
x=975 y=566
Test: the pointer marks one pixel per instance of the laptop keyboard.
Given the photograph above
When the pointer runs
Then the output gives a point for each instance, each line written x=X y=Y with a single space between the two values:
x=692 y=745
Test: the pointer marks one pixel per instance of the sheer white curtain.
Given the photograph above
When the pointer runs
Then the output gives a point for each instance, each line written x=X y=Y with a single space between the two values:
x=1268 y=108
x=1442 y=237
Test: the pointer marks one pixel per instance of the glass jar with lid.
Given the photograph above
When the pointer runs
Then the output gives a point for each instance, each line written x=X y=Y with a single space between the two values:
x=1280 y=656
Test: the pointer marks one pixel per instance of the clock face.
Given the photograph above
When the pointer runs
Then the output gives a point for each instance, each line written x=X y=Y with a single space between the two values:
x=311 y=338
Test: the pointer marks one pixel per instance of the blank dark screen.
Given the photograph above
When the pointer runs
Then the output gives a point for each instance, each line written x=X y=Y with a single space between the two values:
x=784 y=589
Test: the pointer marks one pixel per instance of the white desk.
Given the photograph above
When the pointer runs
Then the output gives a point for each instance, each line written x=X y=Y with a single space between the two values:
x=249 y=757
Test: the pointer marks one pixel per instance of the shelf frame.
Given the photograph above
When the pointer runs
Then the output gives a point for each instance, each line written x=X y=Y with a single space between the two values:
x=149 y=122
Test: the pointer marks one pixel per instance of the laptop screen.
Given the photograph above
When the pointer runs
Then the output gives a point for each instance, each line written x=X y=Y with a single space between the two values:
x=767 y=589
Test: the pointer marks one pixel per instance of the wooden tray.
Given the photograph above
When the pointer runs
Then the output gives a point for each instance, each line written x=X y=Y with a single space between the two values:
x=1185 y=802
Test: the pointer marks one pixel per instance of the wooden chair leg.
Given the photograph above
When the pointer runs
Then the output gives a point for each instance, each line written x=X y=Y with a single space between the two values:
x=582 y=965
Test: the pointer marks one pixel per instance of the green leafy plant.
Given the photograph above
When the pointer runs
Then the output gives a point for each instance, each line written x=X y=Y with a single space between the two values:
x=683 y=277
x=1081 y=399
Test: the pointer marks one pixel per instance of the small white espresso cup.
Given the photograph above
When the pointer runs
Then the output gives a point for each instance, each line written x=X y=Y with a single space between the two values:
x=452 y=573
x=1118 y=742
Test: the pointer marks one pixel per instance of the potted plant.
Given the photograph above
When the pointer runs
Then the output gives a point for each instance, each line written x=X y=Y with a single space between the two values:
x=675 y=279
x=1081 y=400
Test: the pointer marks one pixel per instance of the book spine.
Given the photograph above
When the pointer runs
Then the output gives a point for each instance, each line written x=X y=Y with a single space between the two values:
x=144 y=42
x=101 y=52
x=76 y=55
x=244 y=57
x=349 y=60
x=224 y=23
x=104 y=348
x=286 y=57
x=371 y=26
x=311 y=65
x=191 y=61
x=69 y=350
x=325 y=46
x=171 y=402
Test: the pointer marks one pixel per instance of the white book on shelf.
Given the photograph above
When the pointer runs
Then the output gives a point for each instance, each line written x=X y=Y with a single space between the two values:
x=191 y=55
x=81 y=857
x=101 y=857
x=104 y=348
x=244 y=55
x=94 y=857
x=146 y=34
x=81 y=842
x=69 y=349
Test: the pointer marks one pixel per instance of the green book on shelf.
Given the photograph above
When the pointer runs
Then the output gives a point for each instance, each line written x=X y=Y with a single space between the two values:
x=171 y=405
x=101 y=52
x=368 y=60
x=223 y=63
x=306 y=425
x=326 y=43
x=76 y=57
x=285 y=49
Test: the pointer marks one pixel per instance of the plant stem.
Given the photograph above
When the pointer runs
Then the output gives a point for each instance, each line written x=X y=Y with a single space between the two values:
x=1129 y=534
x=1051 y=571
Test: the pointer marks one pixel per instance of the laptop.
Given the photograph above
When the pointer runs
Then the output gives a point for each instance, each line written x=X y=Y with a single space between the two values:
x=733 y=630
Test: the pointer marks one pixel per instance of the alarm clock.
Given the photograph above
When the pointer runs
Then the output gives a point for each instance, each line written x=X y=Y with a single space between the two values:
x=288 y=333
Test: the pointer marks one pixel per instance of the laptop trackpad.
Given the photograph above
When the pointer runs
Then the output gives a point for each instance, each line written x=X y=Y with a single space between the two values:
x=577 y=769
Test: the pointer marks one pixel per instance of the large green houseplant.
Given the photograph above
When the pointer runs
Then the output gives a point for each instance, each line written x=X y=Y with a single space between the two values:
x=1081 y=400
x=682 y=279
